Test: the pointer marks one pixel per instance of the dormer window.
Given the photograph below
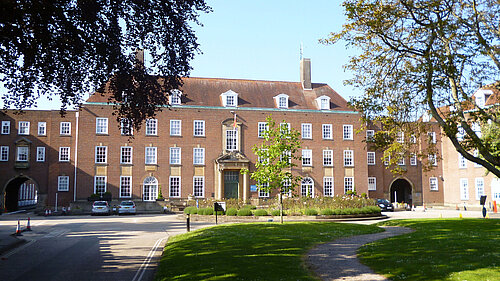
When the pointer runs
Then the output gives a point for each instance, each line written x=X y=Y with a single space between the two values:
x=323 y=102
x=281 y=100
x=481 y=96
x=175 y=97
x=229 y=98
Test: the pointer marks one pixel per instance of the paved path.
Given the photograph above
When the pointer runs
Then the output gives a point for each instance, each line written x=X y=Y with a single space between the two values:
x=337 y=260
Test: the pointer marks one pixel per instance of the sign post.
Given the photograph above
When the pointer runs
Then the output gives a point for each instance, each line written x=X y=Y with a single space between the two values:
x=219 y=206
x=482 y=201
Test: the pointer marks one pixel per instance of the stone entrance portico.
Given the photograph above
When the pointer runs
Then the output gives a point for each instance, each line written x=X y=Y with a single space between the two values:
x=232 y=161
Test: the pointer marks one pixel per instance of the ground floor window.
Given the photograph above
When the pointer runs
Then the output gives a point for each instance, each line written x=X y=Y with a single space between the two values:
x=99 y=185
x=63 y=183
x=150 y=189
x=372 y=183
x=199 y=186
x=328 y=186
x=175 y=187
x=464 y=189
x=125 y=186
x=495 y=189
x=479 y=188
x=263 y=191
x=433 y=183
x=348 y=184
x=306 y=187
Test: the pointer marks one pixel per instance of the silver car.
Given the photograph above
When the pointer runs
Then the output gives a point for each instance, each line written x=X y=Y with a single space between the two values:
x=127 y=207
x=101 y=208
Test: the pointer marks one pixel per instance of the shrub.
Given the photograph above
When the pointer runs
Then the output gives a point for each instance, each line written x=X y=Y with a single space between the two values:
x=260 y=212
x=311 y=212
x=206 y=211
x=327 y=212
x=250 y=207
x=276 y=213
x=244 y=212
x=231 y=212
x=191 y=210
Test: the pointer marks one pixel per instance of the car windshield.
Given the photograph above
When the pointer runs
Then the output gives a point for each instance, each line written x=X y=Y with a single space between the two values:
x=128 y=203
x=385 y=201
x=100 y=203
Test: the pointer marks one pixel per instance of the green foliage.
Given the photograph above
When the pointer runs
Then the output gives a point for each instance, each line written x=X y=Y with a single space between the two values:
x=327 y=212
x=244 y=212
x=191 y=210
x=206 y=211
x=311 y=212
x=231 y=212
x=260 y=212
x=276 y=213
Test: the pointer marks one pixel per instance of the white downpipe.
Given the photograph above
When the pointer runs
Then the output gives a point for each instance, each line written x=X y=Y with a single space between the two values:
x=77 y=115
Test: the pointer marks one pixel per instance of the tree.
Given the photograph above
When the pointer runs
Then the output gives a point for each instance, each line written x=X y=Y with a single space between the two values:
x=273 y=170
x=418 y=56
x=69 y=48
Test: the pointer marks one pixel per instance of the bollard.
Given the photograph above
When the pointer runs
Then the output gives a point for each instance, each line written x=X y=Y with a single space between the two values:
x=187 y=223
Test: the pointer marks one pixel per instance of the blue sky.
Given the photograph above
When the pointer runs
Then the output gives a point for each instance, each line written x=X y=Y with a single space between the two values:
x=260 y=40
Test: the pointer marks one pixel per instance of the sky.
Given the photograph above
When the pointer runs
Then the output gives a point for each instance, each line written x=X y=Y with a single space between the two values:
x=261 y=39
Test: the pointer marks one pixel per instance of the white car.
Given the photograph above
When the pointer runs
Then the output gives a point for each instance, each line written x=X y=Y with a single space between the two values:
x=127 y=207
x=101 y=208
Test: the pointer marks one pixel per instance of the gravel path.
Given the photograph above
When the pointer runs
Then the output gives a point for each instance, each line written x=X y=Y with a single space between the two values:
x=337 y=260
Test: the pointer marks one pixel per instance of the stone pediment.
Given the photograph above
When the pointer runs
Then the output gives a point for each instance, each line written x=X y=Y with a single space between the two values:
x=23 y=141
x=233 y=156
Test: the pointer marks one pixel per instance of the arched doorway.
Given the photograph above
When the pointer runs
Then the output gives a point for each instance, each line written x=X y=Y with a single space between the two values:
x=401 y=191
x=20 y=193
x=150 y=191
x=307 y=187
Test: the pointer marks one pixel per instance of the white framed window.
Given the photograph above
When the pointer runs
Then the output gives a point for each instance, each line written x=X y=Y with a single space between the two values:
x=229 y=98
x=231 y=140
x=413 y=159
x=175 y=127
x=327 y=157
x=327 y=131
x=175 y=97
x=372 y=183
x=476 y=154
x=22 y=154
x=150 y=156
x=370 y=134
x=432 y=137
x=199 y=128
x=348 y=184
x=433 y=159
x=151 y=127
x=306 y=157
x=150 y=189
x=281 y=100
x=348 y=133
x=199 y=156
x=323 y=102
x=175 y=156
x=387 y=160
x=433 y=184
x=479 y=188
x=40 y=154
x=460 y=133
x=42 y=128
x=65 y=128
x=262 y=190
x=348 y=158
x=462 y=162
x=63 y=183
x=307 y=187
x=464 y=189
x=101 y=154
x=262 y=127
x=126 y=153
x=328 y=186
x=263 y=156
x=199 y=186
x=370 y=158
x=4 y=153
x=5 y=127
x=174 y=186
x=413 y=139
x=495 y=189
x=125 y=186
x=100 y=183
x=401 y=160
x=400 y=137
x=286 y=187
x=64 y=154
x=24 y=128
x=126 y=128
x=476 y=127
x=285 y=128
x=101 y=126
x=306 y=131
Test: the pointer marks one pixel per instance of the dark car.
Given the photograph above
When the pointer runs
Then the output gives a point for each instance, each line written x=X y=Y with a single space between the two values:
x=385 y=205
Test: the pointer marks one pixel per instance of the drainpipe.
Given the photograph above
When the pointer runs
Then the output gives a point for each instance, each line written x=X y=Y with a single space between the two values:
x=77 y=115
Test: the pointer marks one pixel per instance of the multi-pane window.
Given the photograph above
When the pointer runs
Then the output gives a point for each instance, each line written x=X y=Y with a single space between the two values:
x=413 y=159
x=401 y=160
x=230 y=100
x=175 y=155
x=175 y=186
x=5 y=127
x=101 y=154
x=370 y=134
x=100 y=185
x=476 y=127
x=198 y=156
x=40 y=154
x=101 y=126
x=150 y=155
x=328 y=186
x=327 y=157
x=324 y=103
x=306 y=131
x=151 y=127
x=63 y=183
x=283 y=102
x=199 y=186
x=4 y=153
x=464 y=189
x=370 y=158
x=307 y=187
x=413 y=139
x=263 y=192
x=65 y=128
x=460 y=133
x=175 y=98
x=64 y=154
x=347 y=132
x=433 y=183
x=42 y=128
x=125 y=186
x=126 y=128
x=286 y=156
x=400 y=137
x=24 y=128
x=432 y=137
x=285 y=128
x=479 y=188
x=462 y=162
x=231 y=140
x=327 y=131
x=348 y=158
x=262 y=127
x=306 y=157
x=348 y=184
x=387 y=159
x=199 y=128
x=433 y=159
x=262 y=158
x=372 y=183
x=175 y=127
x=476 y=154
x=22 y=153
x=126 y=155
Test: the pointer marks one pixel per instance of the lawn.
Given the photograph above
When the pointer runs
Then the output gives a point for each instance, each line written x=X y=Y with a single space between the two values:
x=254 y=251
x=451 y=249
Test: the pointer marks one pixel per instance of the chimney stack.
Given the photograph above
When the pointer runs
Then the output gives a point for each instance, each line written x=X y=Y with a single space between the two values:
x=305 y=74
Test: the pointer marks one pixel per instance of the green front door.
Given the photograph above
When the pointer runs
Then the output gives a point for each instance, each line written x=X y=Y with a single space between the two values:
x=231 y=179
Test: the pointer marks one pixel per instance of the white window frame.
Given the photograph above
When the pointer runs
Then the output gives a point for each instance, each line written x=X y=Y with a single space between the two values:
x=126 y=124
x=433 y=159
x=400 y=137
x=285 y=126
x=372 y=184
x=476 y=154
x=150 y=155
x=65 y=128
x=370 y=158
x=480 y=189
x=229 y=99
x=101 y=180
x=22 y=154
x=42 y=128
x=433 y=184
x=198 y=156
x=175 y=156
x=4 y=153
x=401 y=161
x=464 y=189
x=176 y=127
x=231 y=140
x=5 y=127
x=281 y=101
x=40 y=154
x=432 y=136
x=462 y=162
x=175 y=97
x=151 y=193
x=101 y=154
x=101 y=126
x=151 y=127
x=323 y=102
x=63 y=183
x=306 y=132
x=262 y=192
x=126 y=153
x=413 y=159
x=197 y=180
x=326 y=131
x=348 y=184
x=347 y=132
x=370 y=134
x=125 y=187
x=305 y=186
x=306 y=157
x=348 y=158
x=177 y=181
x=328 y=187
x=199 y=128
x=24 y=128
x=262 y=127
x=62 y=154
x=328 y=157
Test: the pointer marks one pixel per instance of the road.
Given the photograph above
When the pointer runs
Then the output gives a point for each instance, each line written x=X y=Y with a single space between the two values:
x=90 y=248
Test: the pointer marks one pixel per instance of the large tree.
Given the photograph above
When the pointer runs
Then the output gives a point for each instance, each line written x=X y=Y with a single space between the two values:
x=68 y=48
x=426 y=56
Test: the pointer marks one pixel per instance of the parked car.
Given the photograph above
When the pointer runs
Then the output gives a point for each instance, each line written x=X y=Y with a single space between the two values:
x=385 y=205
x=101 y=208
x=127 y=207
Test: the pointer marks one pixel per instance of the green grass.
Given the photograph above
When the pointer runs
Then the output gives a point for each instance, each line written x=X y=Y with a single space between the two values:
x=451 y=249
x=255 y=251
